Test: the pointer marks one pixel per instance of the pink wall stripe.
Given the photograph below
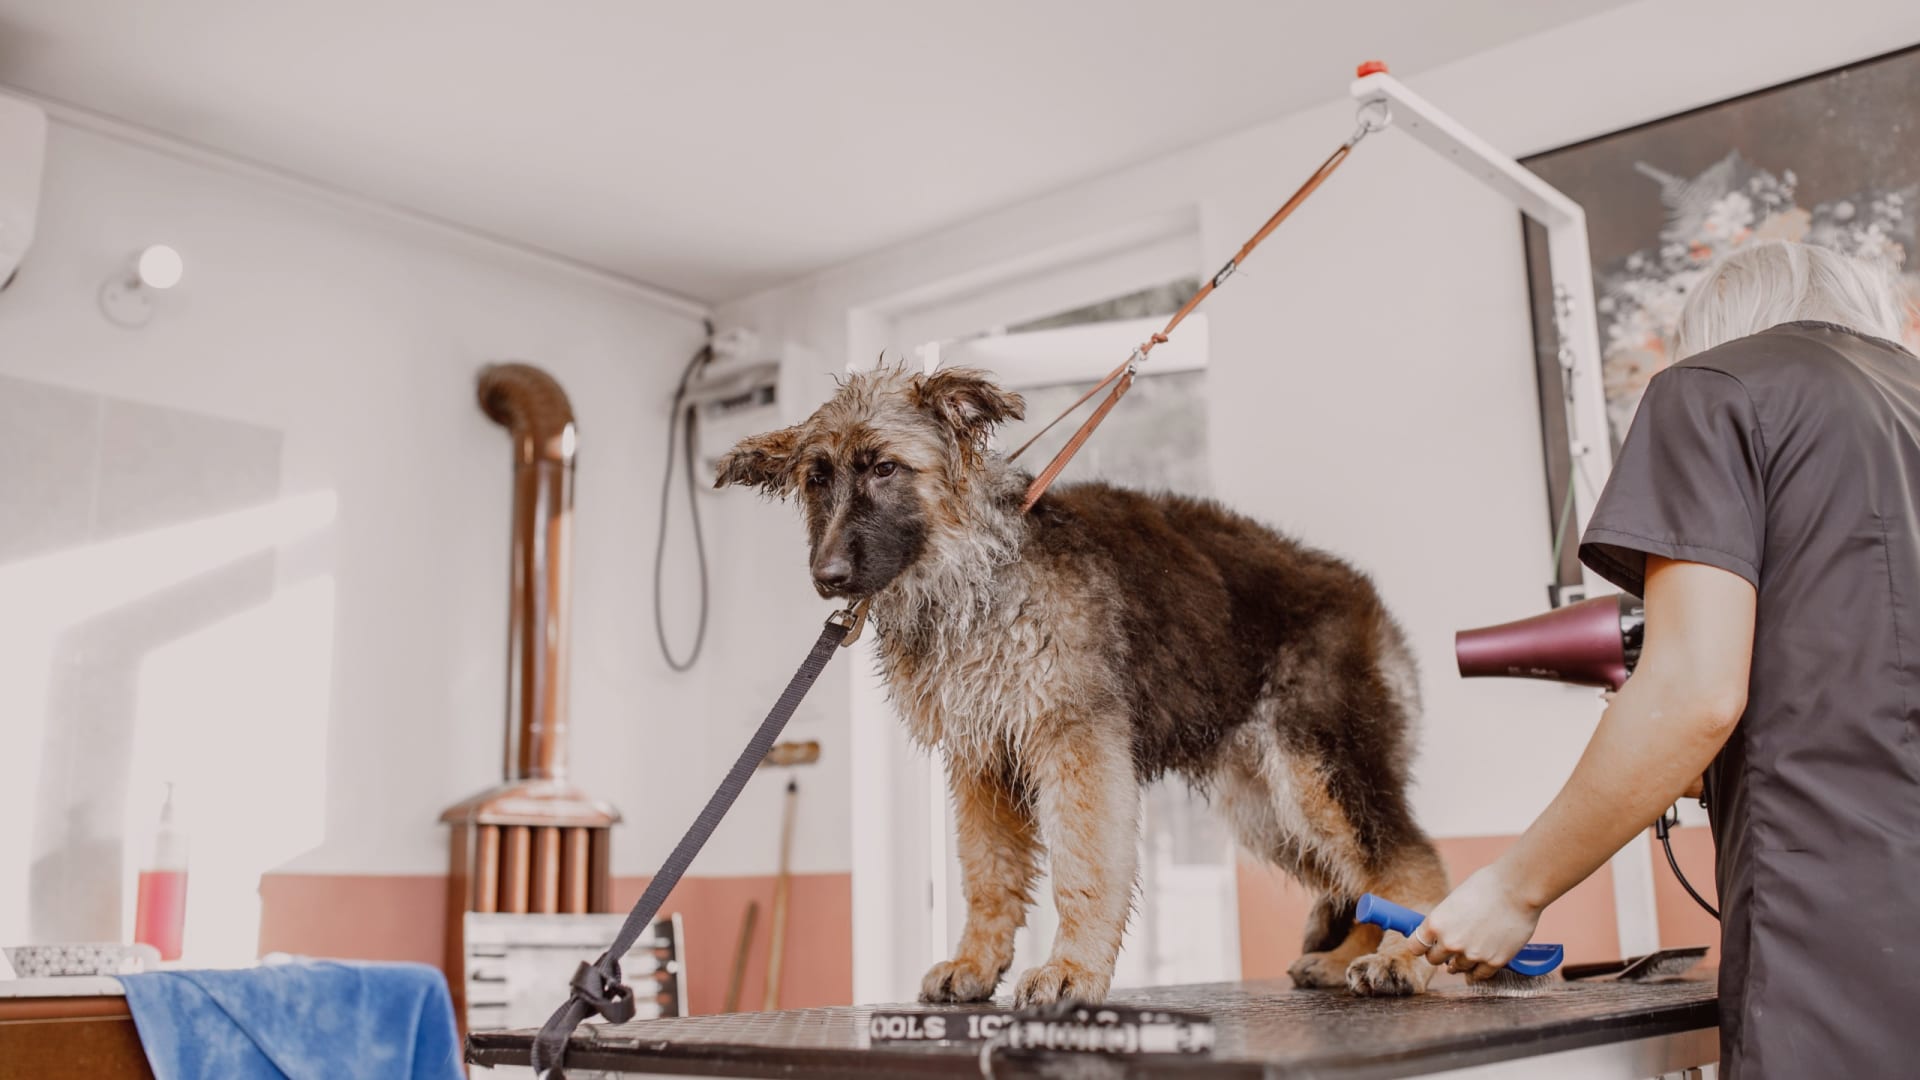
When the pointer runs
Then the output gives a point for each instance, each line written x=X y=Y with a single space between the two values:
x=403 y=917
x=355 y=916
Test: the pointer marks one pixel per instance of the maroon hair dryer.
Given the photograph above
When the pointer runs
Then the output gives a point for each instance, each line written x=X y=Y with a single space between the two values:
x=1592 y=643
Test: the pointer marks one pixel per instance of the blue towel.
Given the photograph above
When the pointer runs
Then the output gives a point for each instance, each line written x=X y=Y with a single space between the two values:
x=310 y=1019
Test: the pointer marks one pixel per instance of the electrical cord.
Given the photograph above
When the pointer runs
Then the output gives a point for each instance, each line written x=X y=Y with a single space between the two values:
x=1666 y=822
x=681 y=414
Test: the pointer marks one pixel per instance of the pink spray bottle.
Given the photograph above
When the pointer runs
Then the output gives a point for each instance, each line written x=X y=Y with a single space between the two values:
x=161 y=914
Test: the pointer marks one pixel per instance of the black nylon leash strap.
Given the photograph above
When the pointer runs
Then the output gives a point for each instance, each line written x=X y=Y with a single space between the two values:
x=597 y=986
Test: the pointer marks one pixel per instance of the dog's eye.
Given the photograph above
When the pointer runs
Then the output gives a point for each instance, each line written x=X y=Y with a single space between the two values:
x=884 y=469
x=818 y=479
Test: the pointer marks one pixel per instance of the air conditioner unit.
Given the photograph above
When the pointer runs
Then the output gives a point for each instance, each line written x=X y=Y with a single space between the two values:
x=727 y=386
x=738 y=394
x=23 y=155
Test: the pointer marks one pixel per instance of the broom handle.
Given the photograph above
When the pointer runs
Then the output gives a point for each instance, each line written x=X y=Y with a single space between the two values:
x=739 y=976
x=778 y=942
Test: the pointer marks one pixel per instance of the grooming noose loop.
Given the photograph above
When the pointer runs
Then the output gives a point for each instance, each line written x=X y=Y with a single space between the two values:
x=1372 y=116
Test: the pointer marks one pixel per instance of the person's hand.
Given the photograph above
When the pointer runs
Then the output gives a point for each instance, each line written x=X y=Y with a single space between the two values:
x=1478 y=928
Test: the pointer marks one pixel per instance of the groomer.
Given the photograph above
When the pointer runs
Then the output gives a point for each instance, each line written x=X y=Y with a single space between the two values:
x=1767 y=506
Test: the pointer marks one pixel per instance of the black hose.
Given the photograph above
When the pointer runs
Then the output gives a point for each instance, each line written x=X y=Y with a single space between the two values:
x=1660 y=829
x=681 y=414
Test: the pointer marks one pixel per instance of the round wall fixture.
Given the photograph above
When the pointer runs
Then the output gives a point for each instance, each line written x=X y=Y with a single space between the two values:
x=127 y=298
x=159 y=267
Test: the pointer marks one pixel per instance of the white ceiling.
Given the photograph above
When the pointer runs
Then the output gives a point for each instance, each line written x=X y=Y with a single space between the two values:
x=716 y=147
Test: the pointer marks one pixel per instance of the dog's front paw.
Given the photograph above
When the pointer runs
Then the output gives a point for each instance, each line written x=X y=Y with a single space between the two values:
x=1389 y=975
x=1319 y=971
x=959 y=980
x=1058 y=980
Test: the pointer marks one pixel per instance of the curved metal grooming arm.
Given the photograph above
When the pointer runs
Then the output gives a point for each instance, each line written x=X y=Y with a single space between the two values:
x=1588 y=440
x=1568 y=258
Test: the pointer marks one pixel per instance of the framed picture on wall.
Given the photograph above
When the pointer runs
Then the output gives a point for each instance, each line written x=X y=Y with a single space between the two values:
x=1830 y=159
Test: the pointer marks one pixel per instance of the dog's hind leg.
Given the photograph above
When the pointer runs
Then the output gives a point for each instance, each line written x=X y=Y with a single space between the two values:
x=1088 y=802
x=1341 y=711
x=1413 y=876
x=1259 y=791
x=994 y=832
x=1363 y=958
x=1364 y=844
x=1285 y=803
x=1333 y=941
x=1399 y=862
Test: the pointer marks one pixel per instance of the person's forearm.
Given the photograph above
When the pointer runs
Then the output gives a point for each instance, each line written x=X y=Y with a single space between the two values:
x=1652 y=743
x=1661 y=732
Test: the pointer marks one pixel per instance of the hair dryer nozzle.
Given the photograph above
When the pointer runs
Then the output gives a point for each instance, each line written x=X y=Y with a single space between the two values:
x=1592 y=643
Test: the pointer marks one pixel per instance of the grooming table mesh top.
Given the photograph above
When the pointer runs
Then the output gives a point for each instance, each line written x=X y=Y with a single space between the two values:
x=1264 y=1028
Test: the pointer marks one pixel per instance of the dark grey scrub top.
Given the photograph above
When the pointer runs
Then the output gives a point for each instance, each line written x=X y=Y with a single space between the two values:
x=1792 y=458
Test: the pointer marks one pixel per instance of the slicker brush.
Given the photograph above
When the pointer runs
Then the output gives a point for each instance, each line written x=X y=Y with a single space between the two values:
x=1529 y=973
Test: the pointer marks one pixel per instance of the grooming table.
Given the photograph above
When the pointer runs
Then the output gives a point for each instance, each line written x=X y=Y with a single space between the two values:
x=1265 y=1029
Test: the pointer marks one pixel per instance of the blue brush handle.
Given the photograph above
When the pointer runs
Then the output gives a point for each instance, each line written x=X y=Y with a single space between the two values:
x=1530 y=960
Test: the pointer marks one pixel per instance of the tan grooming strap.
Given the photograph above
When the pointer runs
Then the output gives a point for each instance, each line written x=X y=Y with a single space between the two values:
x=1121 y=378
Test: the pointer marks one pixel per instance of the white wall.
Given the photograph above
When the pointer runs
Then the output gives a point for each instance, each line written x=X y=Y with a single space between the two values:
x=358 y=339
x=1372 y=387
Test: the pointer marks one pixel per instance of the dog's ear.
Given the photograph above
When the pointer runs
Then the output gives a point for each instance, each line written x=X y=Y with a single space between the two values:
x=968 y=402
x=762 y=461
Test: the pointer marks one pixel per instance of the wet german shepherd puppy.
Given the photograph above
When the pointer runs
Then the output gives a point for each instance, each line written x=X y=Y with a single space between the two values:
x=1061 y=659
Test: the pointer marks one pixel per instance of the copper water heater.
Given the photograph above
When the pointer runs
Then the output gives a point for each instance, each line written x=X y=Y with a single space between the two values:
x=534 y=842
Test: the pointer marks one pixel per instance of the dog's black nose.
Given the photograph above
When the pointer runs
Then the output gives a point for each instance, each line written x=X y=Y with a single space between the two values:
x=833 y=572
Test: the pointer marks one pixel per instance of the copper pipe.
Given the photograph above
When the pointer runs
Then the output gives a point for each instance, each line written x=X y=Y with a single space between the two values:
x=515 y=880
x=533 y=842
x=459 y=901
x=546 y=869
x=486 y=874
x=576 y=868
x=600 y=881
x=531 y=405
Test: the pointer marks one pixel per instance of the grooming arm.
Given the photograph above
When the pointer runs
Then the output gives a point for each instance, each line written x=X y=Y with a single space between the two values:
x=1569 y=261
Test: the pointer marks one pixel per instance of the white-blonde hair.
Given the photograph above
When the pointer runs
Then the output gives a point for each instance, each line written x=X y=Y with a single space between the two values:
x=1780 y=281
